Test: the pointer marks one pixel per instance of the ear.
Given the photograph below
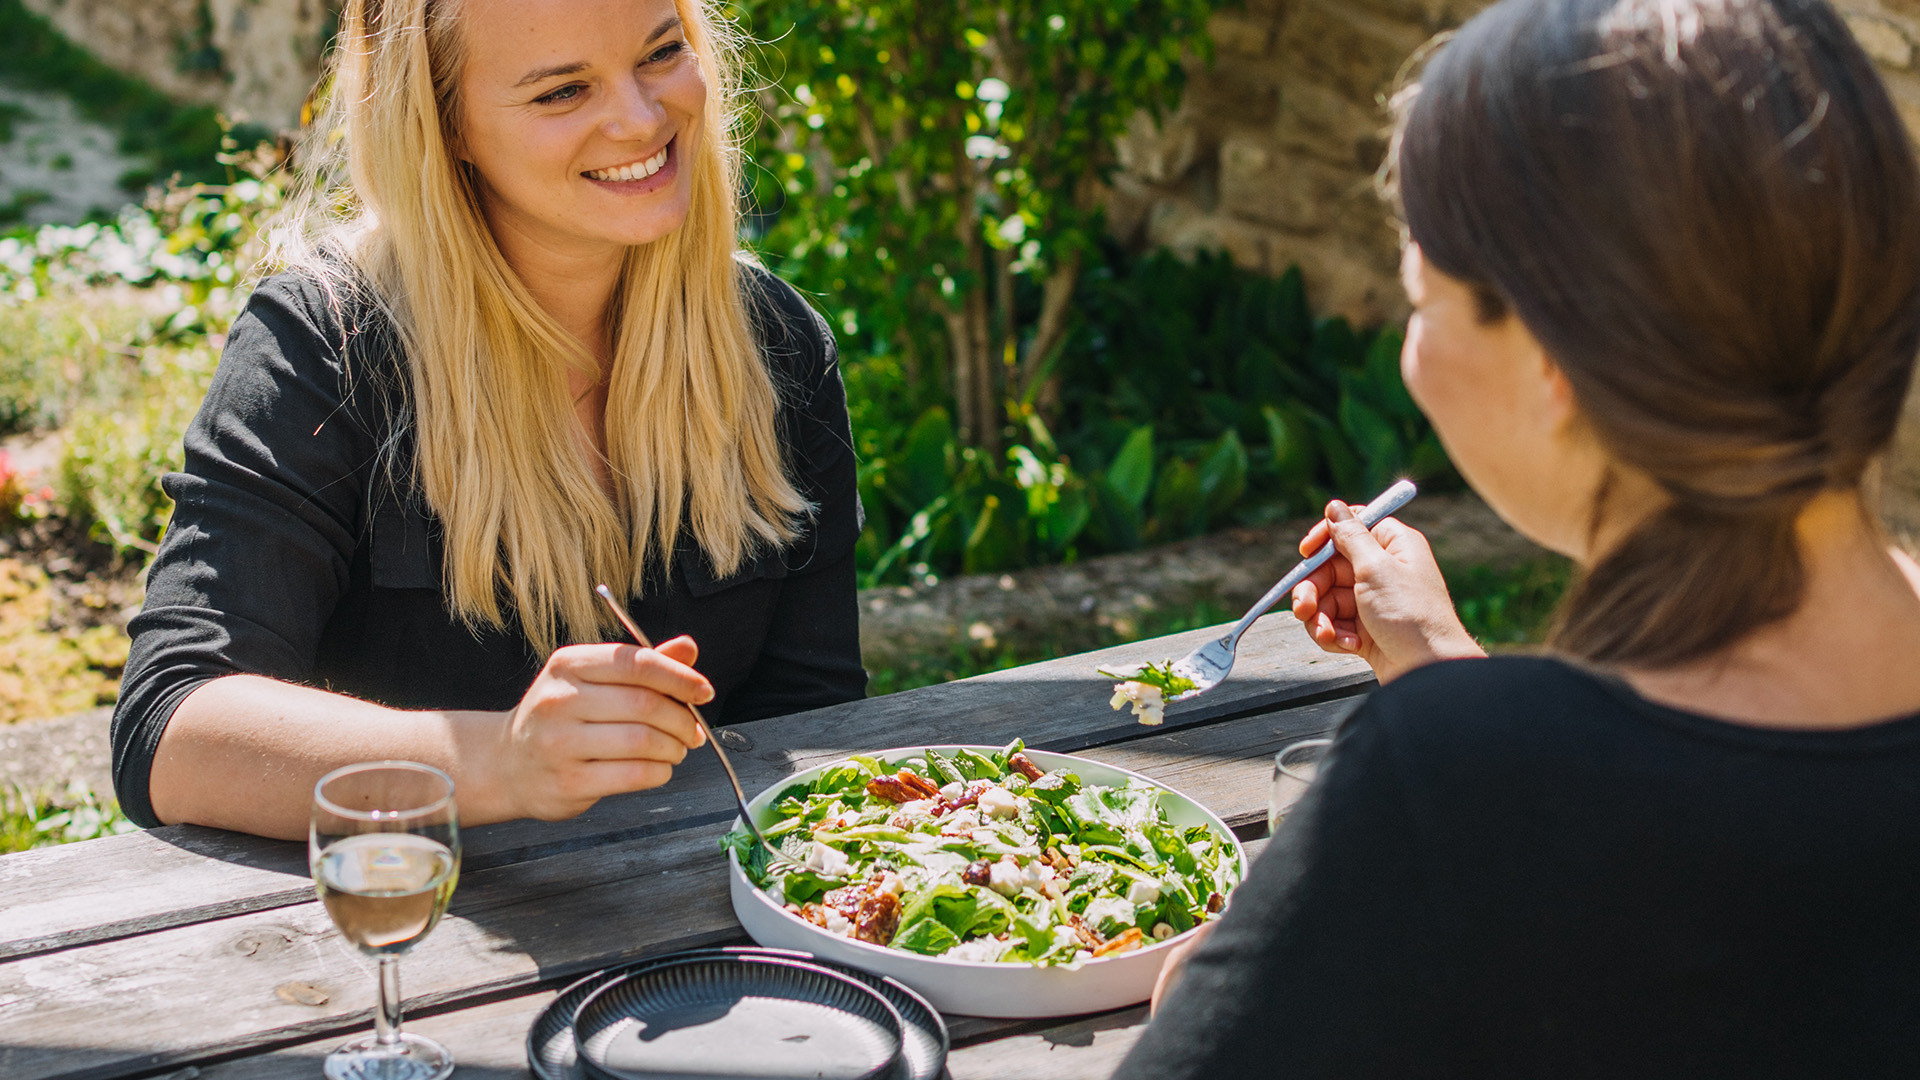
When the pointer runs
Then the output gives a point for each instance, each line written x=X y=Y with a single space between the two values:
x=1559 y=409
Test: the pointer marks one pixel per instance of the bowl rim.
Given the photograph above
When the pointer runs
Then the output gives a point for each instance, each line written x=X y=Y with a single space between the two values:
x=1213 y=820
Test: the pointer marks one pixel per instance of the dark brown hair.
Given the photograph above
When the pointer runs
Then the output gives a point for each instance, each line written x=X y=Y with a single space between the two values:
x=1707 y=212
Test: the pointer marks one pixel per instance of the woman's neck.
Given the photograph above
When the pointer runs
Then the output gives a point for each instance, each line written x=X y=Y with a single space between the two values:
x=573 y=283
x=1845 y=658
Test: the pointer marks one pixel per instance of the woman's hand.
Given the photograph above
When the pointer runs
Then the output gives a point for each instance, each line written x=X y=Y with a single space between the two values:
x=599 y=720
x=1381 y=597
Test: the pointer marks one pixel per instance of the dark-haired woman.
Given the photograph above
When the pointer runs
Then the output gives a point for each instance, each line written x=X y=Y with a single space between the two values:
x=1664 y=257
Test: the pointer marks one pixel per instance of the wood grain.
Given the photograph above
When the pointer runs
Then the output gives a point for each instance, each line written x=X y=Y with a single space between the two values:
x=78 y=894
x=270 y=978
x=489 y=1042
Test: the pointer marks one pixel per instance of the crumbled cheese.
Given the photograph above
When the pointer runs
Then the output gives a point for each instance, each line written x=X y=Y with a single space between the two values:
x=827 y=861
x=1149 y=705
x=889 y=883
x=984 y=950
x=836 y=922
x=961 y=821
x=1005 y=877
x=918 y=806
x=1103 y=908
x=1001 y=803
x=1142 y=892
x=952 y=790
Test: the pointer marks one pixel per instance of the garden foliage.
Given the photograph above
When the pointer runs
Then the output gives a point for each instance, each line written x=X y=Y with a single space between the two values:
x=1193 y=395
x=933 y=170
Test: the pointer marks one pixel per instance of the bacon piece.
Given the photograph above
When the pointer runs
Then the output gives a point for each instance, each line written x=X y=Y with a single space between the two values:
x=903 y=786
x=1024 y=765
x=891 y=789
x=877 y=918
x=1126 y=941
x=1088 y=935
x=926 y=788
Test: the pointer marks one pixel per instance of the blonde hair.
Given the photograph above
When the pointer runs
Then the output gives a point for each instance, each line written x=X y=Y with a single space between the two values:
x=692 y=410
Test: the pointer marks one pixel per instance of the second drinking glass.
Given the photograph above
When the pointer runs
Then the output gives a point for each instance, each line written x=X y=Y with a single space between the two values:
x=385 y=852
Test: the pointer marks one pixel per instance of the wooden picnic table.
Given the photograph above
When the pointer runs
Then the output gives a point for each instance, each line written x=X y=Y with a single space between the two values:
x=186 y=952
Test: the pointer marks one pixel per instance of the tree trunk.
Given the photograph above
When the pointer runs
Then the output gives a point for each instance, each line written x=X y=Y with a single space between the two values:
x=1056 y=304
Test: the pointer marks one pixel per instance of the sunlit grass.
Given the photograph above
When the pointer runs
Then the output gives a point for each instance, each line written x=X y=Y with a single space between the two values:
x=29 y=820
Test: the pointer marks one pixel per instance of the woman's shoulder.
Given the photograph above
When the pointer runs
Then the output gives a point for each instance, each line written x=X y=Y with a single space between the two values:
x=795 y=337
x=319 y=313
x=306 y=341
x=1466 y=706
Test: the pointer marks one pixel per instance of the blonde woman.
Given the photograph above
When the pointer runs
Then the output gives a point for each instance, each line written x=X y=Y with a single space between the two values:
x=526 y=359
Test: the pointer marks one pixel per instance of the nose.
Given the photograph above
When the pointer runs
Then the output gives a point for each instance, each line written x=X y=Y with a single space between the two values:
x=633 y=113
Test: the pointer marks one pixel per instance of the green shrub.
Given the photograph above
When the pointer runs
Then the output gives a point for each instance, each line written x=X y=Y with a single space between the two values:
x=29 y=820
x=117 y=451
x=1192 y=395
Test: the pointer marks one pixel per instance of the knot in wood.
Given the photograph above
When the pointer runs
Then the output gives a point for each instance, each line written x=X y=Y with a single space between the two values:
x=269 y=941
x=735 y=740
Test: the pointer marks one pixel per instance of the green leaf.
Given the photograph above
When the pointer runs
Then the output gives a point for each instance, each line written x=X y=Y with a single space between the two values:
x=1223 y=474
x=929 y=937
x=1179 y=502
x=1377 y=442
x=927 y=459
x=1131 y=475
x=1296 y=453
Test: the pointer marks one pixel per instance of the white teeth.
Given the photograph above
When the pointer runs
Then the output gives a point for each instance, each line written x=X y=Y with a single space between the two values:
x=639 y=170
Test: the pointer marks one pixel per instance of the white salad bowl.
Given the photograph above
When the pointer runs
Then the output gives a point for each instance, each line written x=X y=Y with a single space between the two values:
x=966 y=987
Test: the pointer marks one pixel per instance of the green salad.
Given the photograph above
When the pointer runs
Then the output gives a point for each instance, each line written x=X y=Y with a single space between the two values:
x=987 y=857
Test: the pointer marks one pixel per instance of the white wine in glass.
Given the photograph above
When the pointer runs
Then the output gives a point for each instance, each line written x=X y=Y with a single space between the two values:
x=385 y=851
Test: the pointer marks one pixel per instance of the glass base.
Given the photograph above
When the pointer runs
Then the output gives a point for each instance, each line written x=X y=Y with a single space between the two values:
x=410 y=1057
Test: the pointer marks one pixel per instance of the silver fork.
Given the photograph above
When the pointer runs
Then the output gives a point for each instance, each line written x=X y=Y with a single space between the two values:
x=1210 y=663
x=739 y=797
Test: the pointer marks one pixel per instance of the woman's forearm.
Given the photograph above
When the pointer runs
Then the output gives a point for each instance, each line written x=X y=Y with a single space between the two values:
x=243 y=752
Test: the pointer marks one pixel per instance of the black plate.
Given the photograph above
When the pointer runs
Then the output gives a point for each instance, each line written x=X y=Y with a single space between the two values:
x=551 y=1053
x=550 y=1045
x=738 y=1016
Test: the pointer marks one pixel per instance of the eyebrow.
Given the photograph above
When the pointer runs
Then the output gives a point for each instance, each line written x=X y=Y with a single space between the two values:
x=578 y=66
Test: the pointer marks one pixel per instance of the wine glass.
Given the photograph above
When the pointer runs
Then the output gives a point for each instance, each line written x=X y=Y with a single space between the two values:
x=1294 y=770
x=385 y=852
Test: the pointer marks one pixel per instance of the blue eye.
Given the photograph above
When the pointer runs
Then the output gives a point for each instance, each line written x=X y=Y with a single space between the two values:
x=564 y=93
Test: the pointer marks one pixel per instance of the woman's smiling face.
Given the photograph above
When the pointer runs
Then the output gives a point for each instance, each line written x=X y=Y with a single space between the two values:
x=582 y=118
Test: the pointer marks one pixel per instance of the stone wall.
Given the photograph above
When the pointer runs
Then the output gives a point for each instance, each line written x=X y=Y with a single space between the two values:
x=1271 y=155
x=255 y=59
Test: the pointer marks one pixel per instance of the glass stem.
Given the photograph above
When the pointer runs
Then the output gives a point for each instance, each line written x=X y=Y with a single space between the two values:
x=386 y=1022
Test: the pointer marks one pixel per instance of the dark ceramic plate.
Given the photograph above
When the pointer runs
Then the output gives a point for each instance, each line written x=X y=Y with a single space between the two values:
x=551 y=1050
x=550 y=1047
x=758 y=1017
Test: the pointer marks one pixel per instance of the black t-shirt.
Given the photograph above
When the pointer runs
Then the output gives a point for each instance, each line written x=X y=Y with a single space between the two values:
x=1515 y=868
x=300 y=548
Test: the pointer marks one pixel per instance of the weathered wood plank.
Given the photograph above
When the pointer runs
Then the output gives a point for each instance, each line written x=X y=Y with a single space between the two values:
x=270 y=978
x=489 y=1042
x=82 y=893
x=1087 y=1048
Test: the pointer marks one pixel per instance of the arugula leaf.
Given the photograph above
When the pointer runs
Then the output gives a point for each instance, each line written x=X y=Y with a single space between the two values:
x=1160 y=675
x=944 y=771
x=844 y=777
x=929 y=937
x=977 y=766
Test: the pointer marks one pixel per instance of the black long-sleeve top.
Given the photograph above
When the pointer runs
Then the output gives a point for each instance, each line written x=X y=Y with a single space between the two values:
x=1515 y=868
x=301 y=549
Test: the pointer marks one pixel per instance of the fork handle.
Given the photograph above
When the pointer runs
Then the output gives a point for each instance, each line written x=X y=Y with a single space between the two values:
x=1370 y=515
